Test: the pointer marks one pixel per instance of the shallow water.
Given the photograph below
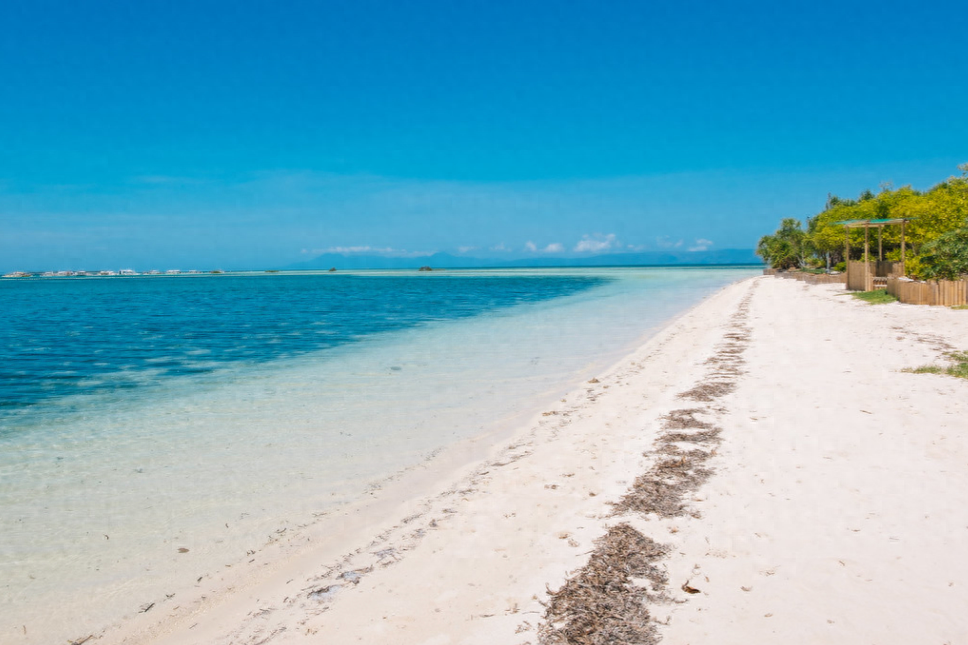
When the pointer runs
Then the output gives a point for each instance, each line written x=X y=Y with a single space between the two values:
x=144 y=416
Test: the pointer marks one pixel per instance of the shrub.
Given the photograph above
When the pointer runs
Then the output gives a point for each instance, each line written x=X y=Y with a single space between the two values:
x=946 y=258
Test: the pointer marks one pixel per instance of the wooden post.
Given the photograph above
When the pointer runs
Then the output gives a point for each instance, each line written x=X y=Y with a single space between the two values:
x=903 y=248
x=867 y=266
x=847 y=255
x=846 y=248
x=880 y=243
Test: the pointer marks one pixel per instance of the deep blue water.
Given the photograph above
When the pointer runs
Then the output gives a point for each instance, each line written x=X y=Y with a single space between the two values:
x=63 y=337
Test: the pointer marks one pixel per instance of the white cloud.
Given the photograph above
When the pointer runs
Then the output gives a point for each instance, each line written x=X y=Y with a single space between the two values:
x=597 y=243
x=358 y=249
x=465 y=249
x=666 y=242
x=501 y=247
x=554 y=247
x=701 y=245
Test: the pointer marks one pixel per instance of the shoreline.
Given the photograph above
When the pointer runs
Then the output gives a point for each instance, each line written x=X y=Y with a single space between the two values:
x=397 y=497
x=472 y=558
x=104 y=580
x=217 y=604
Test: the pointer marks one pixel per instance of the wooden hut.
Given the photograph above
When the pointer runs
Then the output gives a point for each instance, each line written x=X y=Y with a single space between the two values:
x=866 y=275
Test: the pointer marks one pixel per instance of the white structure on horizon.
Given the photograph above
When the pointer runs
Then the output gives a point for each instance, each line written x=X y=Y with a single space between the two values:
x=172 y=272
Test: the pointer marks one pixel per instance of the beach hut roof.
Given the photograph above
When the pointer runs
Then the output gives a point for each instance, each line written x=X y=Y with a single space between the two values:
x=867 y=223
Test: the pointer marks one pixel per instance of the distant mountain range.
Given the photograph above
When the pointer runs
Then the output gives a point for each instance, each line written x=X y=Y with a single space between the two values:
x=448 y=261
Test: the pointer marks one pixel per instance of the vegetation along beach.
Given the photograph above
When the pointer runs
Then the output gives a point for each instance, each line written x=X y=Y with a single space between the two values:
x=439 y=323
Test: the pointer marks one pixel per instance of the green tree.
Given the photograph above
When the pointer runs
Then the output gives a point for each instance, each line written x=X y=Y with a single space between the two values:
x=946 y=258
x=826 y=238
x=933 y=214
x=786 y=248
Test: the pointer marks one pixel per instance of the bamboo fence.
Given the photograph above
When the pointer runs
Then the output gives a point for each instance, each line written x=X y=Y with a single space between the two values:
x=948 y=293
x=822 y=278
x=809 y=278
x=860 y=276
x=887 y=269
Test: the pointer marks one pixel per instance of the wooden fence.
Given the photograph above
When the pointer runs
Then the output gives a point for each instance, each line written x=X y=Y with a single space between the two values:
x=886 y=269
x=936 y=292
x=823 y=278
x=873 y=276
x=809 y=278
x=860 y=277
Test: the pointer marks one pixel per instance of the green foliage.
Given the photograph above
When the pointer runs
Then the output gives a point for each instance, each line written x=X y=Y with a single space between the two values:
x=876 y=297
x=946 y=257
x=786 y=248
x=934 y=213
x=913 y=267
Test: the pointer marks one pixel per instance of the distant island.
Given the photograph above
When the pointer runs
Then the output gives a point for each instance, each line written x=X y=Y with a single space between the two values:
x=448 y=261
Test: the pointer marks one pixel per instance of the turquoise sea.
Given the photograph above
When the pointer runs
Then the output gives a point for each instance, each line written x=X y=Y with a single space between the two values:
x=140 y=415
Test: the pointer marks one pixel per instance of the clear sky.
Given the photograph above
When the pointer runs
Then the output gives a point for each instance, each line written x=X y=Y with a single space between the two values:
x=247 y=134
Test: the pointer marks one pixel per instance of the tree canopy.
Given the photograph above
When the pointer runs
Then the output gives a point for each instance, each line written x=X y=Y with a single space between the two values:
x=935 y=247
x=785 y=248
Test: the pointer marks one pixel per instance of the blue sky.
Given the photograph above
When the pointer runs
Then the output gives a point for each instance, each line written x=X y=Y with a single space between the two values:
x=249 y=134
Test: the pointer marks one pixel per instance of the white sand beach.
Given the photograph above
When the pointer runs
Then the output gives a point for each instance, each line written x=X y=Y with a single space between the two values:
x=834 y=509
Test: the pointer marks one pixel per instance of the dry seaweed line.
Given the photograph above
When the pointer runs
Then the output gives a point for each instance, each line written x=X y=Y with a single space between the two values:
x=601 y=603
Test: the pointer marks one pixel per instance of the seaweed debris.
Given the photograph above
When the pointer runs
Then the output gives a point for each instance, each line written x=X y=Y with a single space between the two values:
x=601 y=604
x=604 y=602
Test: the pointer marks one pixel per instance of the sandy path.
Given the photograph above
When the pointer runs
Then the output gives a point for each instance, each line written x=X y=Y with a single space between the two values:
x=838 y=500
